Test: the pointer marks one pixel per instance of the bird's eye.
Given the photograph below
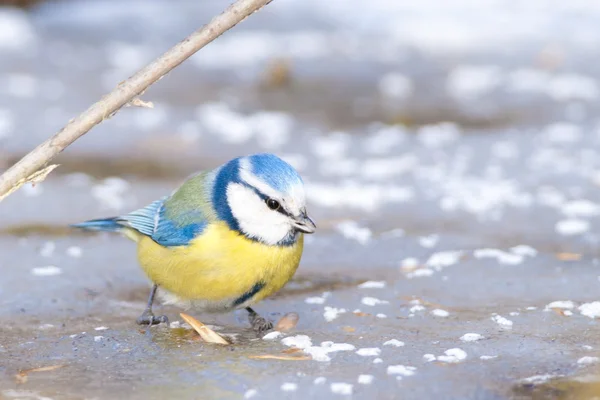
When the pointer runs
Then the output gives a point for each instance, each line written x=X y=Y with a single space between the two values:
x=272 y=204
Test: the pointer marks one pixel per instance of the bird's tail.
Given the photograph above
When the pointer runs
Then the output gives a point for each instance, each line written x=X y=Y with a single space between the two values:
x=104 y=224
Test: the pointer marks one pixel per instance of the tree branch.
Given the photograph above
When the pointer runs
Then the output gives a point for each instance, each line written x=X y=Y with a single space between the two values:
x=125 y=92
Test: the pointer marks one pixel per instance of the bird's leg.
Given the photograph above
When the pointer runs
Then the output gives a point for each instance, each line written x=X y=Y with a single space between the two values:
x=147 y=317
x=259 y=324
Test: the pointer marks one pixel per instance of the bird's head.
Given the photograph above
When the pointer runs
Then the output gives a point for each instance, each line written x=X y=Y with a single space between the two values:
x=262 y=197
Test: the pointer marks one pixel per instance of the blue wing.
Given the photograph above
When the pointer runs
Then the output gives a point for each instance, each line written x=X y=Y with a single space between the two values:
x=145 y=220
x=153 y=222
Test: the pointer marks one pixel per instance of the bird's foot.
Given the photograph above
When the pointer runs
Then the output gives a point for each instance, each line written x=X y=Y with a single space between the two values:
x=260 y=325
x=148 y=318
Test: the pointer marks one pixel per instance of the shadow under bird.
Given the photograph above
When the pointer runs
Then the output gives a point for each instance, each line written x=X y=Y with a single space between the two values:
x=224 y=240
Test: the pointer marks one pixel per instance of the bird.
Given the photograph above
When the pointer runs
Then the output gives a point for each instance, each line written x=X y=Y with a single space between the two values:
x=223 y=240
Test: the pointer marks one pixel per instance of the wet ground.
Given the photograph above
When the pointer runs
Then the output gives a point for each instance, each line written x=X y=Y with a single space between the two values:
x=450 y=160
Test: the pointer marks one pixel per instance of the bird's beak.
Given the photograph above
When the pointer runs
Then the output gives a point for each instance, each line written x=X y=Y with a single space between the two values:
x=303 y=223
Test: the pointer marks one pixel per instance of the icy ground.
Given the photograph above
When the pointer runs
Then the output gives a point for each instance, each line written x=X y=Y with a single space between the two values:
x=450 y=156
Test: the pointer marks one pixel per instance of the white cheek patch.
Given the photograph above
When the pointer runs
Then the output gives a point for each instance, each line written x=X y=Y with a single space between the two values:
x=294 y=198
x=254 y=217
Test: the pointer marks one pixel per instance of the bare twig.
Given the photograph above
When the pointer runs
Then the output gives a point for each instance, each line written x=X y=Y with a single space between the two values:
x=137 y=102
x=21 y=377
x=124 y=93
x=36 y=177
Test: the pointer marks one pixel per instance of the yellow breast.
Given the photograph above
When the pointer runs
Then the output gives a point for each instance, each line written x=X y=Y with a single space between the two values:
x=219 y=267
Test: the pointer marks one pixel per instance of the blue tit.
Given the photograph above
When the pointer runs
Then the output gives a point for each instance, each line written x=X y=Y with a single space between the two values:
x=224 y=240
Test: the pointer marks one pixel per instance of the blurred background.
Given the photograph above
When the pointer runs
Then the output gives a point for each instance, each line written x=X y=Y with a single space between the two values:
x=449 y=149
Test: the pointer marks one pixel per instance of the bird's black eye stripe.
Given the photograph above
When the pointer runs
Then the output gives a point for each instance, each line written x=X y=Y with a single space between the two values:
x=273 y=204
x=267 y=200
x=276 y=206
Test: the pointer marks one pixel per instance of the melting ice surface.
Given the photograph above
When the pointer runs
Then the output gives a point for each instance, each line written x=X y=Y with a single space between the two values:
x=455 y=187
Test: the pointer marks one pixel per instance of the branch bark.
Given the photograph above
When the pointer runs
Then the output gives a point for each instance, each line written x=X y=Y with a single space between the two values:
x=26 y=169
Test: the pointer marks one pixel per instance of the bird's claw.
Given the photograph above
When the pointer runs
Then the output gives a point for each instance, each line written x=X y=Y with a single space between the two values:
x=260 y=325
x=148 y=318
